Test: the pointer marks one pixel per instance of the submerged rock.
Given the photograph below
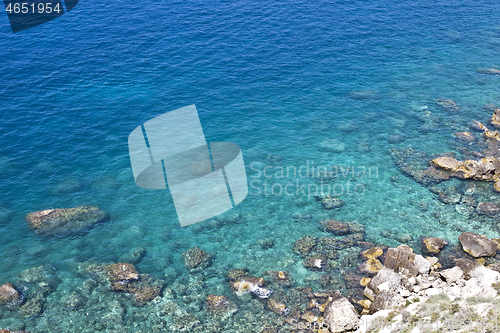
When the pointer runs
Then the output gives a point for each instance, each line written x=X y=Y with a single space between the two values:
x=196 y=259
x=64 y=221
x=490 y=71
x=305 y=245
x=335 y=227
x=448 y=104
x=477 y=245
x=465 y=136
x=487 y=208
x=415 y=164
x=9 y=295
x=277 y=307
x=330 y=202
x=121 y=274
x=220 y=306
x=332 y=145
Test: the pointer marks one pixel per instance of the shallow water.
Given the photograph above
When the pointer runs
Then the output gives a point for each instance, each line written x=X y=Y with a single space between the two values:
x=279 y=79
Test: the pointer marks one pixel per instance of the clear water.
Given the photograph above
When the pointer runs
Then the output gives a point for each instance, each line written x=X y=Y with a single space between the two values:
x=275 y=78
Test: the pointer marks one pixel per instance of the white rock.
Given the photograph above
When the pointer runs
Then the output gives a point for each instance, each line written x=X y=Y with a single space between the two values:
x=485 y=276
x=433 y=291
x=383 y=286
x=452 y=274
x=341 y=316
x=405 y=293
x=424 y=266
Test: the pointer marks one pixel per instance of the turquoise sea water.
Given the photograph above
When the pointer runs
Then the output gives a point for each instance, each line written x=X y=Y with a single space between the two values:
x=279 y=79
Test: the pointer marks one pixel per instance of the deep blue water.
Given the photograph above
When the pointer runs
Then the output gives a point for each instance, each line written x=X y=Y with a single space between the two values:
x=274 y=77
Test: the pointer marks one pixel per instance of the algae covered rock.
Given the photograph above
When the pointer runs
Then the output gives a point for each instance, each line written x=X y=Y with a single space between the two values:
x=64 y=221
x=277 y=307
x=305 y=245
x=220 y=306
x=122 y=273
x=477 y=245
x=448 y=104
x=335 y=227
x=196 y=259
x=433 y=245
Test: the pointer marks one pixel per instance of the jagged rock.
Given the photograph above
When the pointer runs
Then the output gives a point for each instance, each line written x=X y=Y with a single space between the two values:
x=477 y=245
x=433 y=245
x=452 y=274
x=487 y=168
x=277 y=307
x=465 y=136
x=341 y=315
x=8 y=295
x=220 y=306
x=448 y=104
x=64 y=221
x=402 y=259
x=196 y=259
x=487 y=208
x=335 y=227
x=305 y=245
